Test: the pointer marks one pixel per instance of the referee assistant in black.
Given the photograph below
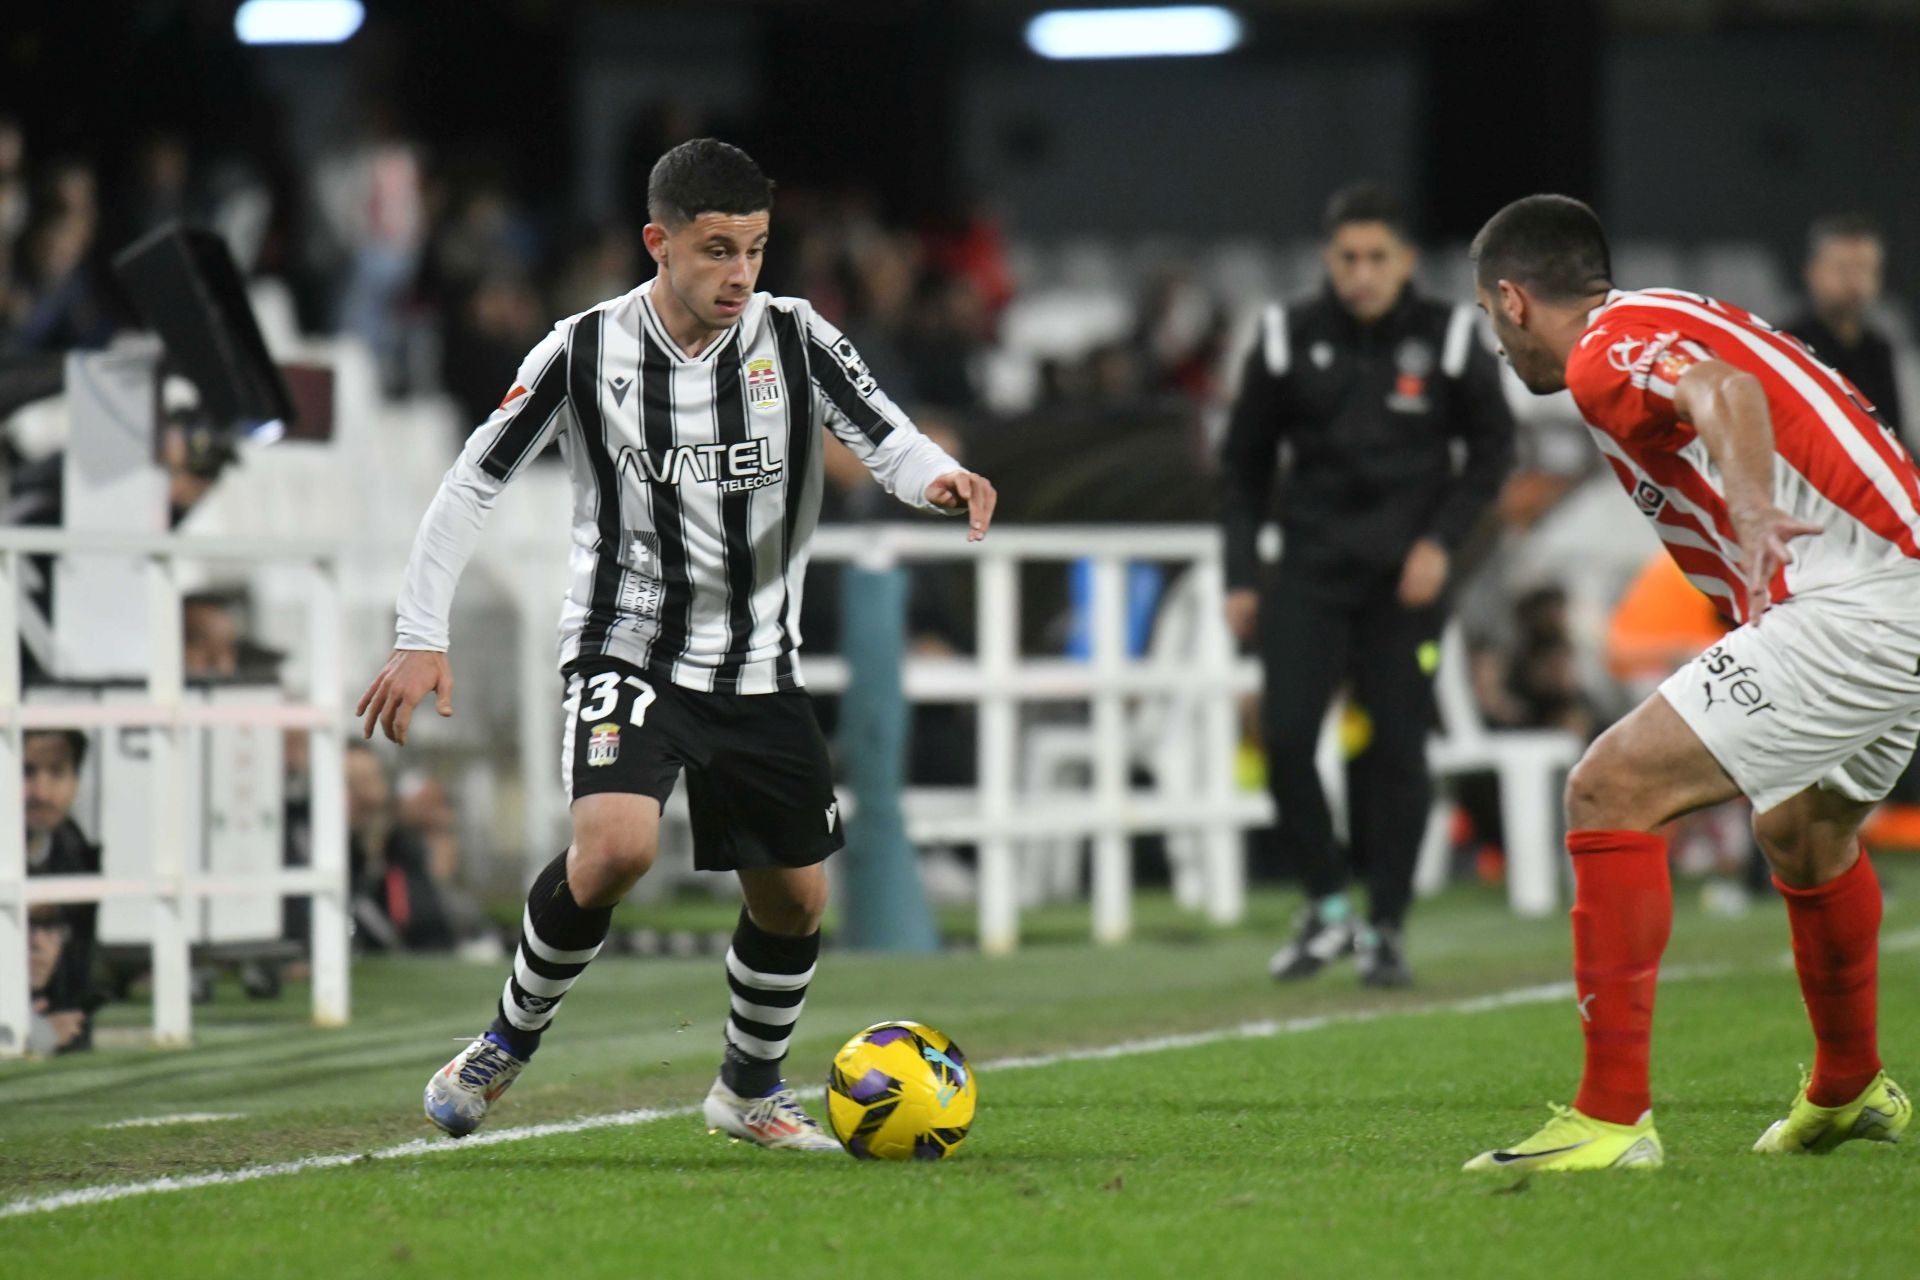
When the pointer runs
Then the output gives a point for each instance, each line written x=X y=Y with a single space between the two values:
x=1396 y=438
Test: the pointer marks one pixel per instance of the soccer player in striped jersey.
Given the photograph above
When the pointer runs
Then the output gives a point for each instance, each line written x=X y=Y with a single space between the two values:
x=1780 y=495
x=689 y=414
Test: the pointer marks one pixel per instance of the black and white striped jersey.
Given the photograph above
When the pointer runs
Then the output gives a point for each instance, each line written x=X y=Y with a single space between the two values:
x=696 y=485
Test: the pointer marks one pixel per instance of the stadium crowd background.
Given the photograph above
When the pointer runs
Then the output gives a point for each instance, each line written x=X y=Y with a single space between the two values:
x=1052 y=265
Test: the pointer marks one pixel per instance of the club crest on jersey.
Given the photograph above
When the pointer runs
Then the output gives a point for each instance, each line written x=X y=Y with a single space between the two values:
x=1414 y=360
x=1624 y=354
x=735 y=468
x=603 y=745
x=1649 y=497
x=763 y=385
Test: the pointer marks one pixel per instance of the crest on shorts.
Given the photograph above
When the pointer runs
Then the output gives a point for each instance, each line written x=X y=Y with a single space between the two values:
x=763 y=385
x=603 y=745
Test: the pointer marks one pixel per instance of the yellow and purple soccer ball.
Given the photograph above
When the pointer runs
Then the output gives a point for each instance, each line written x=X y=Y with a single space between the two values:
x=900 y=1091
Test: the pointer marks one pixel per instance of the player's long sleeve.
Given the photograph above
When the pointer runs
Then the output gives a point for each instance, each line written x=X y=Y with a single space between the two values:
x=1486 y=428
x=1251 y=451
x=534 y=411
x=899 y=454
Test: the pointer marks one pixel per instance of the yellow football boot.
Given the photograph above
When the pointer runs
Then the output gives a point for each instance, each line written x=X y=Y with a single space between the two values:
x=1880 y=1114
x=1572 y=1142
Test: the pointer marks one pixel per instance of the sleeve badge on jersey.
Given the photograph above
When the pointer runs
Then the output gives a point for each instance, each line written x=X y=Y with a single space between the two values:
x=513 y=395
x=603 y=745
x=856 y=368
x=1649 y=497
x=763 y=385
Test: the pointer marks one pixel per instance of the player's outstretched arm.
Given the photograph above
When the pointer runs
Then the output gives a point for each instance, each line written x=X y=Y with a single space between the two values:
x=409 y=676
x=958 y=490
x=1727 y=408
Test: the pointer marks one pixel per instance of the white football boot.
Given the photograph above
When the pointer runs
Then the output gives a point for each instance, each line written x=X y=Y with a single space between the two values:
x=460 y=1093
x=775 y=1121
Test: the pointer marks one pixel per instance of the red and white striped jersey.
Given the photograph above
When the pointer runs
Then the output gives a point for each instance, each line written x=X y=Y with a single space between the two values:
x=1836 y=464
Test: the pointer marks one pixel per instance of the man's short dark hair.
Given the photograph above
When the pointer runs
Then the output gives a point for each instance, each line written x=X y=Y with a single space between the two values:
x=76 y=742
x=705 y=175
x=1551 y=245
x=1364 y=202
x=1841 y=226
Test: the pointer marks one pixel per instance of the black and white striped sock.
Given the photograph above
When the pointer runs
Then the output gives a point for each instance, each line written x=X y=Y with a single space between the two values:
x=768 y=974
x=558 y=939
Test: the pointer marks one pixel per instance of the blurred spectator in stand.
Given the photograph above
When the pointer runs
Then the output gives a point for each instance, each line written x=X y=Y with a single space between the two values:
x=885 y=275
x=63 y=936
x=210 y=641
x=606 y=266
x=1536 y=685
x=1180 y=335
x=426 y=809
x=215 y=644
x=484 y=342
x=945 y=341
x=373 y=199
x=1845 y=262
x=973 y=248
x=194 y=455
x=160 y=189
x=57 y=305
x=396 y=905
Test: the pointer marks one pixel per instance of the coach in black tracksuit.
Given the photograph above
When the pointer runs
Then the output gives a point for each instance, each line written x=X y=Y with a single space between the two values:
x=1397 y=437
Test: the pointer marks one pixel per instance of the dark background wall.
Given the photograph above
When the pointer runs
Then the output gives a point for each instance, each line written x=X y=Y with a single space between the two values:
x=1718 y=124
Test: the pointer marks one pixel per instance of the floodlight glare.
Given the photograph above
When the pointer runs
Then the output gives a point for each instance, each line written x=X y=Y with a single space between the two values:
x=1171 y=31
x=298 y=21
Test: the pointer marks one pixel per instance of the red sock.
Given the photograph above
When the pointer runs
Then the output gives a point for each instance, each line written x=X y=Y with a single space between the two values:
x=1836 y=948
x=1622 y=914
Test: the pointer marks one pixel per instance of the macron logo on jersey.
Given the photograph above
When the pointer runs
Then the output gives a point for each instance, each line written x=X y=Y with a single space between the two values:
x=736 y=468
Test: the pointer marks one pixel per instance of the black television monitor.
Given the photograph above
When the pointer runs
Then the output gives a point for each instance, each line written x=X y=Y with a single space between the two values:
x=184 y=284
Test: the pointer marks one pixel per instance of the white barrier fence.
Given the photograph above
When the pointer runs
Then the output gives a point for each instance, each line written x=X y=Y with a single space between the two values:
x=172 y=886
x=1173 y=710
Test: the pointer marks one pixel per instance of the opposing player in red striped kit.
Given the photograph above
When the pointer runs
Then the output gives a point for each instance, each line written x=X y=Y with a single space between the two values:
x=1782 y=496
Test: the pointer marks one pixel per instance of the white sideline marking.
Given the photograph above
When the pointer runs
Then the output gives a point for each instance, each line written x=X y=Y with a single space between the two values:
x=185 y=1117
x=1545 y=993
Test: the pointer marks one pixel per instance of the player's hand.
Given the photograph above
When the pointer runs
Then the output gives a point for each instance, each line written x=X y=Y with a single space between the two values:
x=409 y=676
x=1243 y=612
x=958 y=489
x=1424 y=575
x=1763 y=535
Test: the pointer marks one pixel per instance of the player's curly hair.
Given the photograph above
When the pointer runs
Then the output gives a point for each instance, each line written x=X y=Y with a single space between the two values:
x=705 y=175
x=1552 y=245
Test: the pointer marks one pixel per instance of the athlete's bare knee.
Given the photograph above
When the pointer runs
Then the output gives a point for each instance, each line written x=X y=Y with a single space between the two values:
x=793 y=908
x=1603 y=794
x=611 y=850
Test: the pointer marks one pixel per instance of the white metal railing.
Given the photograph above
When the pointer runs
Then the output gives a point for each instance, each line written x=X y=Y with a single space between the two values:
x=1002 y=821
x=171 y=887
x=1005 y=824
x=1195 y=798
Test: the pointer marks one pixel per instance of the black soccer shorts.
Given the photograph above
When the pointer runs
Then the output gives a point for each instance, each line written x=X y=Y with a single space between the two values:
x=759 y=781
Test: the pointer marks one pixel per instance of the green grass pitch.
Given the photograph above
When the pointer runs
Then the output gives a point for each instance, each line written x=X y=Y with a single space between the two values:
x=1326 y=1142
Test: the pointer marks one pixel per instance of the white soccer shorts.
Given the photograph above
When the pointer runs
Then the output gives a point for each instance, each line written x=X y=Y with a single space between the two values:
x=1824 y=689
